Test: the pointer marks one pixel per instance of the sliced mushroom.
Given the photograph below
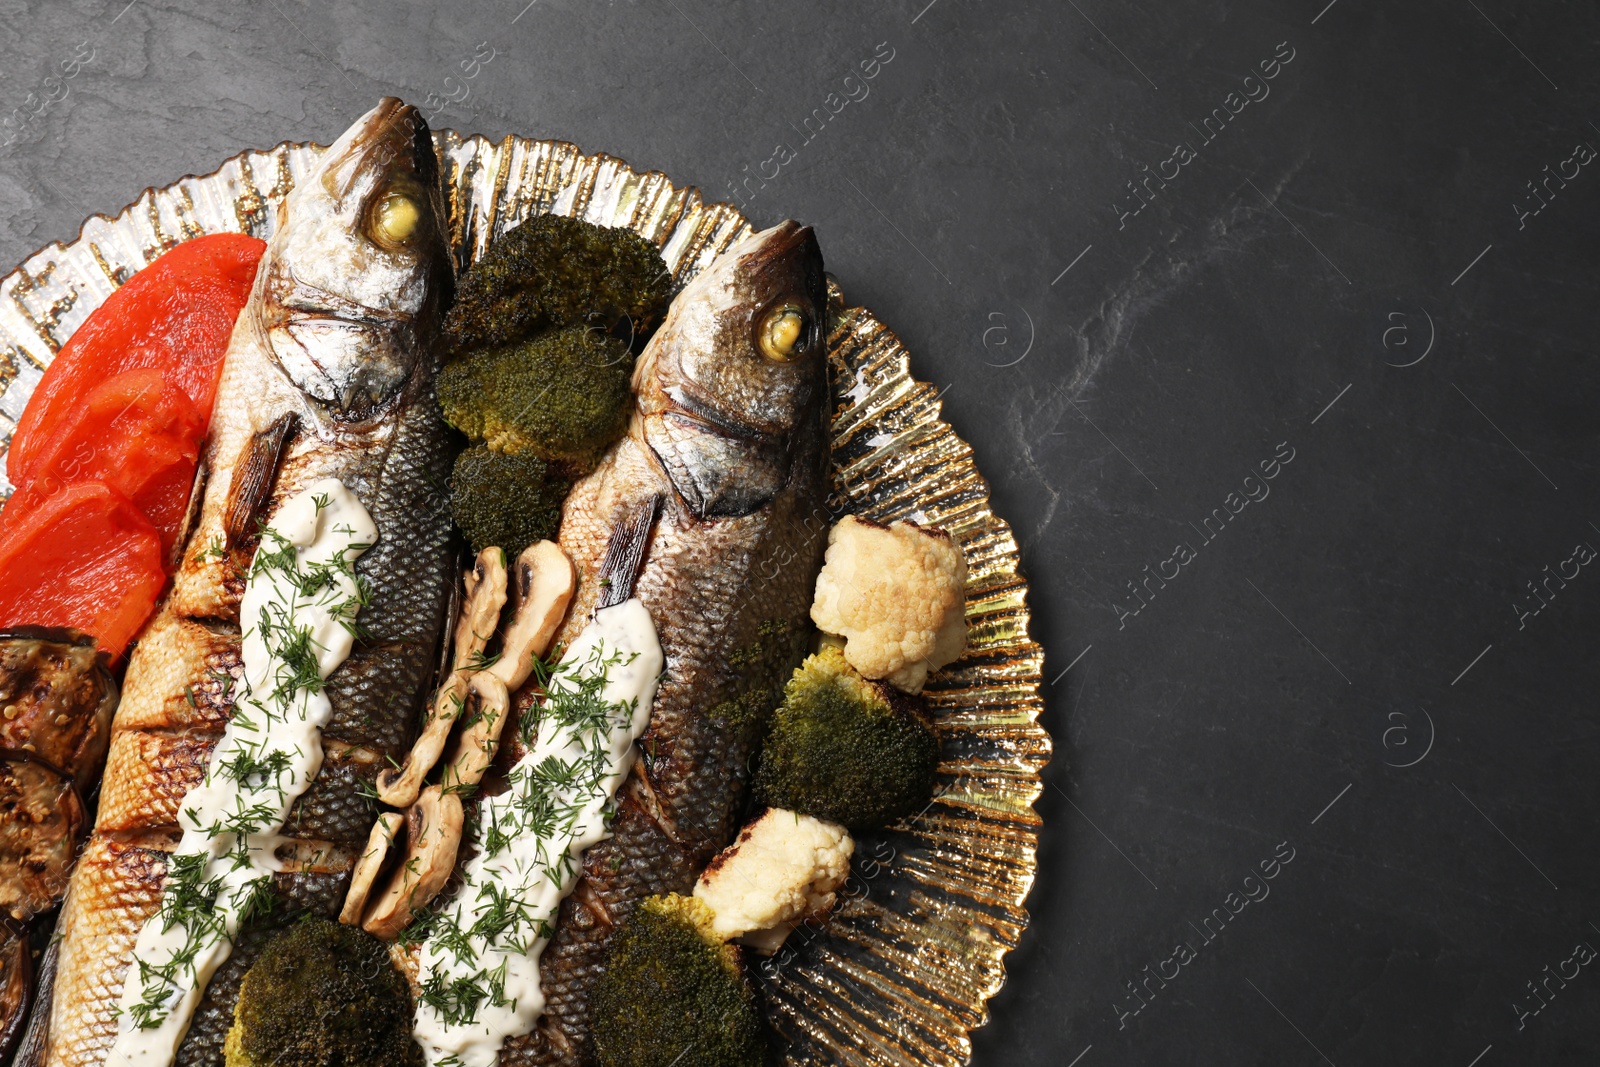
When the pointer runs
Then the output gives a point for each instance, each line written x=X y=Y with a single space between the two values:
x=379 y=845
x=399 y=786
x=488 y=707
x=480 y=614
x=302 y=856
x=432 y=836
x=478 y=697
x=545 y=581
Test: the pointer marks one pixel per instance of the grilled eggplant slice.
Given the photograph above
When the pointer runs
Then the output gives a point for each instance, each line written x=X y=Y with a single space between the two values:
x=56 y=700
x=16 y=985
x=41 y=821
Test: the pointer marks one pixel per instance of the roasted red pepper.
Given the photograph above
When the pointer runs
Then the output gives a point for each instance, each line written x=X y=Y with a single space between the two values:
x=174 y=316
x=104 y=456
x=86 y=558
x=140 y=434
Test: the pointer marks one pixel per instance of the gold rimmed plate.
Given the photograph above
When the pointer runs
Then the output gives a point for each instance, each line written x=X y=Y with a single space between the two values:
x=903 y=970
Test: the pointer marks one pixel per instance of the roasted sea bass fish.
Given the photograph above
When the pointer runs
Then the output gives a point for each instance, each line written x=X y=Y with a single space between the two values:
x=326 y=401
x=722 y=477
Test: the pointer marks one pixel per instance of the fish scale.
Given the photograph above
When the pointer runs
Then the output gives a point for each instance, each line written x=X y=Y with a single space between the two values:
x=727 y=579
x=356 y=391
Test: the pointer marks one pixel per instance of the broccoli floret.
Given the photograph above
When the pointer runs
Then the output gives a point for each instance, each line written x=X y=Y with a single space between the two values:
x=844 y=749
x=672 y=992
x=761 y=667
x=556 y=271
x=505 y=501
x=322 y=994
x=563 y=396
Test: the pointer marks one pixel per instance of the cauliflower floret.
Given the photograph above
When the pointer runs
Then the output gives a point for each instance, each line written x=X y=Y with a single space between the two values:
x=897 y=595
x=784 y=867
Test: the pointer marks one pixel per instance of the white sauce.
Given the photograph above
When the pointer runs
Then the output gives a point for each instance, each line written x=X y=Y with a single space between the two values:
x=298 y=614
x=530 y=842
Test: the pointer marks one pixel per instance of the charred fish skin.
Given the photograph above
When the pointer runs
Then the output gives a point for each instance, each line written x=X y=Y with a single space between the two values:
x=329 y=373
x=732 y=438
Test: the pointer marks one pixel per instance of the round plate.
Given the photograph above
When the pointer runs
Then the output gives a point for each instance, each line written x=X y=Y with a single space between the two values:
x=904 y=968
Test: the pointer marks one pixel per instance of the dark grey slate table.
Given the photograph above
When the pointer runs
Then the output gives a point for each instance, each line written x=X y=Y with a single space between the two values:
x=1274 y=328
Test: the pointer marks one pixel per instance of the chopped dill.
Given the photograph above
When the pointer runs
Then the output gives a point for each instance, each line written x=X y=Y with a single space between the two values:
x=215 y=550
x=481 y=662
x=557 y=797
x=217 y=881
x=257 y=772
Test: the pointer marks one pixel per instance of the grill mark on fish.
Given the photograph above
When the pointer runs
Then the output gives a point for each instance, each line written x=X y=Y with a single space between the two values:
x=727 y=577
x=292 y=407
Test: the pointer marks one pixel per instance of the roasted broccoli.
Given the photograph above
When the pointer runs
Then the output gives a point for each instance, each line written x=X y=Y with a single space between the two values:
x=672 y=992
x=505 y=501
x=562 y=395
x=555 y=271
x=844 y=749
x=322 y=994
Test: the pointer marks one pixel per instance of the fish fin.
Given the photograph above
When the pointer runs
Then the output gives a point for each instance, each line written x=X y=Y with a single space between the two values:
x=444 y=663
x=191 y=514
x=254 y=476
x=630 y=537
x=641 y=791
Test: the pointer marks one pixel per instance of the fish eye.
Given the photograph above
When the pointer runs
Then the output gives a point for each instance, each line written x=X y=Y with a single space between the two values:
x=783 y=334
x=396 y=218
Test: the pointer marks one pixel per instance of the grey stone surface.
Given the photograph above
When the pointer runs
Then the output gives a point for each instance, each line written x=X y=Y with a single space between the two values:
x=1350 y=270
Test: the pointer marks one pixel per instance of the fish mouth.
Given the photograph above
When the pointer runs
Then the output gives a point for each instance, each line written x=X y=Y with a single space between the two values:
x=781 y=247
x=392 y=132
x=307 y=303
x=779 y=241
x=688 y=407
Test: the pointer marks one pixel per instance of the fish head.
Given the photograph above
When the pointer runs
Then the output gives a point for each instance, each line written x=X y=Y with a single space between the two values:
x=730 y=388
x=358 y=273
